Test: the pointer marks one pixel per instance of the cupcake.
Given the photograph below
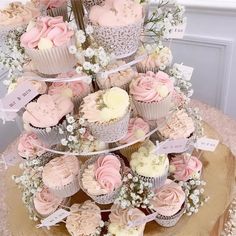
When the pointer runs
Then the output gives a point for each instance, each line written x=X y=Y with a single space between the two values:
x=45 y=203
x=120 y=79
x=29 y=146
x=55 y=7
x=107 y=114
x=120 y=220
x=117 y=26
x=101 y=178
x=152 y=94
x=169 y=203
x=46 y=42
x=158 y=58
x=179 y=125
x=137 y=129
x=61 y=176
x=185 y=167
x=46 y=116
x=152 y=168
x=85 y=219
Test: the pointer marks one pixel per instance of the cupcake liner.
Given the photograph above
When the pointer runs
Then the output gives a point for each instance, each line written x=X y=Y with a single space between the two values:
x=52 y=61
x=170 y=221
x=154 y=110
x=112 y=131
x=89 y=3
x=105 y=198
x=144 y=69
x=59 y=11
x=122 y=41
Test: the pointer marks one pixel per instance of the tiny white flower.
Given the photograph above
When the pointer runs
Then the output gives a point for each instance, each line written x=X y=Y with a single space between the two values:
x=202 y=190
x=64 y=142
x=192 y=209
x=192 y=182
x=72 y=49
x=89 y=52
x=6 y=82
x=89 y=29
x=70 y=128
x=79 y=69
x=80 y=35
x=87 y=65
x=81 y=121
x=82 y=130
x=70 y=120
x=129 y=176
x=95 y=68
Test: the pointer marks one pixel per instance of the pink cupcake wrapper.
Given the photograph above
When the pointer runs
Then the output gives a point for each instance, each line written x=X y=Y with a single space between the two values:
x=52 y=61
x=59 y=11
x=154 y=110
x=106 y=198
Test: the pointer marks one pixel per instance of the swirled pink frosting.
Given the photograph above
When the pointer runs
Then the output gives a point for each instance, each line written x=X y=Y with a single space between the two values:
x=123 y=217
x=60 y=171
x=52 y=3
x=47 y=111
x=45 y=202
x=151 y=87
x=137 y=128
x=51 y=28
x=18 y=14
x=84 y=220
x=168 y=199
x=185 y=167
x=180 y=125
x=27 y=146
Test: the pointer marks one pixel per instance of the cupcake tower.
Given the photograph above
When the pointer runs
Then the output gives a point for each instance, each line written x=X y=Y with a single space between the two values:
x=94 y=98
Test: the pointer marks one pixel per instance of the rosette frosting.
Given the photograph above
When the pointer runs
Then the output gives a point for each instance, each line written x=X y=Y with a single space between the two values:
x=168 y=199
x=27 y=146
x=137 y=129
x=151 y=87
x=180 y=125
x=17 y=14
x=146 y=163
x=47 y=111
x=60 y=171
x=45 y=202
x=47 y=32
x=186 y=167
x=84 y=220
x=52 y=3
x=116 y=13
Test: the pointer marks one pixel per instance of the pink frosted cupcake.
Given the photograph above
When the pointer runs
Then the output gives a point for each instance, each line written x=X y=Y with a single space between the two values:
x=45 y=202
x=152 y=94
x=185 y=167
x=169 y=203
x=117 y=26
x=46 y=43
x=120 y=220
x=46 y=115
x=61 y=176
x=137 y=129
x=101 y=178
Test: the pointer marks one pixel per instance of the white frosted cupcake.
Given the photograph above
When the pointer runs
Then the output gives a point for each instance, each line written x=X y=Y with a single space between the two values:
x=107 y=114
x=152 y=168
x=46 y=42
x=152 y=94
x=120 y=220
x=61 y=176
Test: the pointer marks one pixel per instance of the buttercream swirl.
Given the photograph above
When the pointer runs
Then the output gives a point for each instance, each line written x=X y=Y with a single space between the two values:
x=168 y=199
x=186 y=167
x=52 y=30
x=52 y=3
x=151 y=87
x=84 y=220
x=47 y=111
x=45 y=202
x=60 y=171
x=137 y=129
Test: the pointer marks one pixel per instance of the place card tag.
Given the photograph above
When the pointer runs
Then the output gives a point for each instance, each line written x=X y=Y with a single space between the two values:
x=11 y=159
x=172 y=146
x=187 y=71
x=143 y=220
x=17 y=99
x=206 y=144
x=54 y=218
x=177 y=32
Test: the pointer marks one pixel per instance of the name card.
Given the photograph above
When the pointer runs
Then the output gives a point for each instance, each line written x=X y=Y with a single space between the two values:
x=172 y=146
x=54 y=218
x=17 y=99
x=177 y=32
x=186 y=70
x=143 y=220
x=206 y=144
x=11 y=159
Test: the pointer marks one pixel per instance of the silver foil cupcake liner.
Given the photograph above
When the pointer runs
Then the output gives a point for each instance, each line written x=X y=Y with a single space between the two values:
x=154 y=110
x=59 y=11
x=145 y=69
x=89 y=3
x=105 y=198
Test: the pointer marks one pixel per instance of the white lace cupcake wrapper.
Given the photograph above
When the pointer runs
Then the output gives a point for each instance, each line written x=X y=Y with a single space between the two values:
x=154 y=110
x=59 y=11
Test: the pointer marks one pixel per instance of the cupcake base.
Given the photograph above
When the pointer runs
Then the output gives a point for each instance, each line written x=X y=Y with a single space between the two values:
x=59 y=11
